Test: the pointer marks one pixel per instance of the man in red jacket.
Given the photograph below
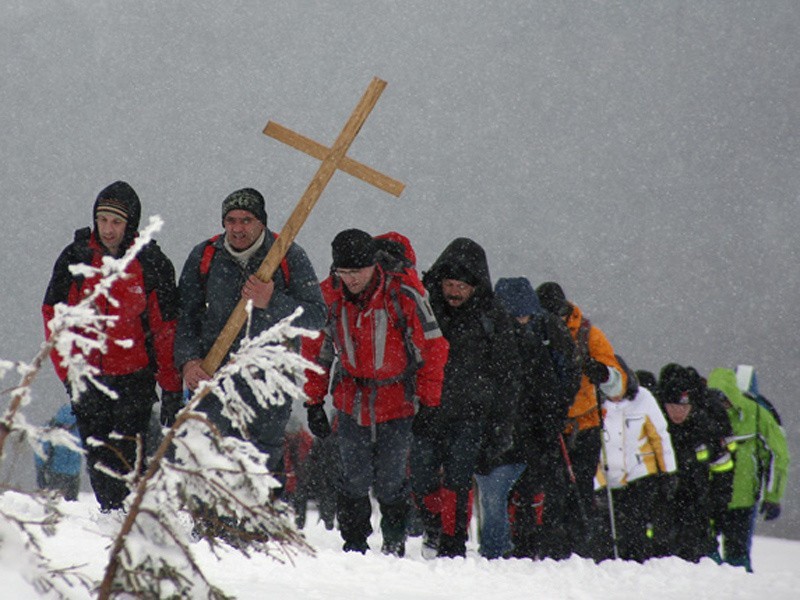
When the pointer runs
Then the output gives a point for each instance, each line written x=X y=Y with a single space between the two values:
x=391 y=357
x=140 y=340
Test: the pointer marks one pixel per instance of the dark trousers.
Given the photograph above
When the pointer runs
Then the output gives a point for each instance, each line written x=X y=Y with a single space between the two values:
x=265 y=432
x=128 y=415
x=443 y=467
x=538 y=502
x=635 y=510
x=379 y=464
x=584 y=452
x=736 y=527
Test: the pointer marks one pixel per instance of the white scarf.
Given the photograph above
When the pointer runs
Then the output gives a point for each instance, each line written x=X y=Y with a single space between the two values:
x=243 y=256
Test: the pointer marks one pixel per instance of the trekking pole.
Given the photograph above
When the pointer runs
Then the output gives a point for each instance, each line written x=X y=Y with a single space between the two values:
x=573 y=480
x=611 y=518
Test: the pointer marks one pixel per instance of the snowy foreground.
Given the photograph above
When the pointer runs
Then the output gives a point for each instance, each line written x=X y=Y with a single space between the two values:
x=332 y=575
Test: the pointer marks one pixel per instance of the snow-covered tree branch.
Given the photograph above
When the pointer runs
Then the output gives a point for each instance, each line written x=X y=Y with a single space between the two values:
x=221 y=482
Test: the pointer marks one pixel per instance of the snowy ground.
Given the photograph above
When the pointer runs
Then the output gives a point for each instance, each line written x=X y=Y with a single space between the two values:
x=332 y=575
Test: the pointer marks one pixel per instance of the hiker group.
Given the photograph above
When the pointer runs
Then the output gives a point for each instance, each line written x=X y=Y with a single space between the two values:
x=441 y=386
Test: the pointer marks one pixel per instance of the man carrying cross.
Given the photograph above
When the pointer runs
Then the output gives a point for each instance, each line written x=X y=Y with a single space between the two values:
x=217 y=275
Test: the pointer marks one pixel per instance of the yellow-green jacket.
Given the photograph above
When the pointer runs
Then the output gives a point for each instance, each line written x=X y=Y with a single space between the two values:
x=762 y=455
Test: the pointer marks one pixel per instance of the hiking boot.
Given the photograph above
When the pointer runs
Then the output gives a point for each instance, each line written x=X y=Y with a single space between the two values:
x=396 y=548
x=360 y=547
x=430 y=545
x=452 y=546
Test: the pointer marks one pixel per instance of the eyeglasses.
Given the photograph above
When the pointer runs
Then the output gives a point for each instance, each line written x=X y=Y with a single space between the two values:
x=347 y=273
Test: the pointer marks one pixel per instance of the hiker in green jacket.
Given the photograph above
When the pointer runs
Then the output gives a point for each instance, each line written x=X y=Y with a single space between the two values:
x=761 y=466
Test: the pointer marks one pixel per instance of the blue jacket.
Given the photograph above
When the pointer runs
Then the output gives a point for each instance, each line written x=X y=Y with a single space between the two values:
x=60 y=459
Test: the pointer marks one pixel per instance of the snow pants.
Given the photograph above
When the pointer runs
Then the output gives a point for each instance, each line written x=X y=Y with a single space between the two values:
x=441 y=479
x=736 y=526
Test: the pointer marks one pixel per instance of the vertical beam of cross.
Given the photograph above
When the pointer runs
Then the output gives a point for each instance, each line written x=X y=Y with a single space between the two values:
x=333 y=159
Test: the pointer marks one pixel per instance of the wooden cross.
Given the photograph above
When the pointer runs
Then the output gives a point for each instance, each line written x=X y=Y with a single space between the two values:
x=332 y=158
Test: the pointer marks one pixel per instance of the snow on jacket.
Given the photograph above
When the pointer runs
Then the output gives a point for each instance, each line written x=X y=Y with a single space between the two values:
x=59 y=458
x=146 y=308
x=390 y=352
x=761 y=460
x=205 y=306
x=637 y=441
x=584 y=409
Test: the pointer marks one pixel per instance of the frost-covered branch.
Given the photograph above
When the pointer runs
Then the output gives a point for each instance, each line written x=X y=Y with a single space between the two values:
x=74 y=332
x=24 y=519
x=221 y=482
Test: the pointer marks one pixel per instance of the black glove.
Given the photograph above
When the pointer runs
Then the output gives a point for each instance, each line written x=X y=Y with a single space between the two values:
x=770 y=510
x=426 y=423
x=596 y=371
x=171 y=403
x=318 y=421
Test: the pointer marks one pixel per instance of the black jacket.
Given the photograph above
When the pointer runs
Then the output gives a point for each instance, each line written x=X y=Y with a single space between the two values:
x=479 y=382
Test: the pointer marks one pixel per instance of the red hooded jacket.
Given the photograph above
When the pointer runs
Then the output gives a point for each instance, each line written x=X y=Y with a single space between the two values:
x=384 y=348
x=146 y=307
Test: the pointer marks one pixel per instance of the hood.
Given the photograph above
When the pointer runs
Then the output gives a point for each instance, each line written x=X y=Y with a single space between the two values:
x=518 y=296
x=465 y=260
x=746 y=379
x=724 y=380
x=122 y=193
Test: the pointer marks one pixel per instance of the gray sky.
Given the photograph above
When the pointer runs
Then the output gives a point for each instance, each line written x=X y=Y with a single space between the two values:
x=644 y=155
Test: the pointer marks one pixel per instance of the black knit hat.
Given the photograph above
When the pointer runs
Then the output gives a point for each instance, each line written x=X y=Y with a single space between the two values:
x=675 y=385
x=121 y=200
x=353 y=249
x=552 y=298
x=245 y=199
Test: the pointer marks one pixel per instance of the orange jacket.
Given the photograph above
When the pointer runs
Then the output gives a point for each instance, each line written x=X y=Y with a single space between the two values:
x=583 y=411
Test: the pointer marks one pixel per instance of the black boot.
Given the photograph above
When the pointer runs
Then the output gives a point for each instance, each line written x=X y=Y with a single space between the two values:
x=393 y=528
x=451 y=546
x=354 y=515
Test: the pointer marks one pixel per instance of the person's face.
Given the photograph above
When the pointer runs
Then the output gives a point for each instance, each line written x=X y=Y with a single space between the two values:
x=678 y=413
x=456 y=292
x=111 y=229
x=523 y=320
x=242 y=229
x=356 y=280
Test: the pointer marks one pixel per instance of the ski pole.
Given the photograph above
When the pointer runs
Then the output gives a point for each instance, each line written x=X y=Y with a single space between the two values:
x=573 y=480
x=611 y=518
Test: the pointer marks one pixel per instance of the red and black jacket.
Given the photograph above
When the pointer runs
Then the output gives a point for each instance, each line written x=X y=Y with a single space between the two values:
x=146 y=307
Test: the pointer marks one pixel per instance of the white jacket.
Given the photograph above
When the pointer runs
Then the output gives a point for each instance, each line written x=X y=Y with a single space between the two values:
x=636 y=441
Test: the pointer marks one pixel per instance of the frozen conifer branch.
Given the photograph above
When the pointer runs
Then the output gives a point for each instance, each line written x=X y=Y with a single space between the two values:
x=24 y=519
x=79 y=327
x=221 y=482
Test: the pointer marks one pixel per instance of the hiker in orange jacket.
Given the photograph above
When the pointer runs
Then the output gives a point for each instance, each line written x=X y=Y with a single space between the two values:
x=602 y=374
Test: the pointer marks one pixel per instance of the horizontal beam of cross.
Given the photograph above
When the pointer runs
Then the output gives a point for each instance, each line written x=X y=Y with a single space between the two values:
x=320 y=152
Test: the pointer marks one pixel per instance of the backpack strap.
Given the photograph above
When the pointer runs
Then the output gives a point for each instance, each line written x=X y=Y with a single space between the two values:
x=208 y=255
